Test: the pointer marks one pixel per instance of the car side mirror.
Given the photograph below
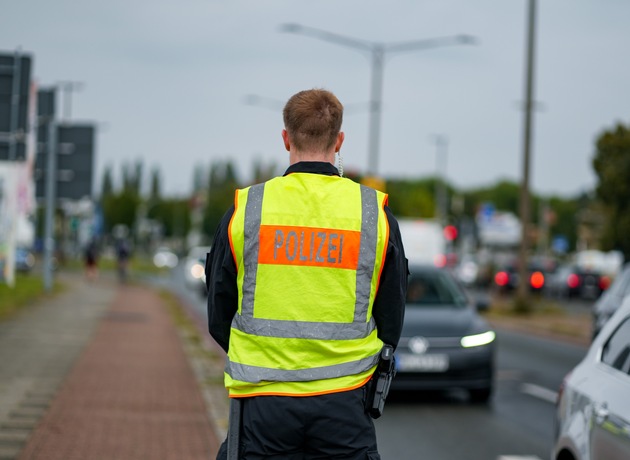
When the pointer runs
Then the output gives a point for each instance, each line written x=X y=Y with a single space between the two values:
x=482 y=302
x=482 y=305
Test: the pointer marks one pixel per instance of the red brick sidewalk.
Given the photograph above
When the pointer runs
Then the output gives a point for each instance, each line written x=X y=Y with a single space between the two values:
x=131 y=394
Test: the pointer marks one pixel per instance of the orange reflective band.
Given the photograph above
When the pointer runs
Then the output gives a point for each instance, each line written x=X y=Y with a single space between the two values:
x=298 y=395
x=309 y=246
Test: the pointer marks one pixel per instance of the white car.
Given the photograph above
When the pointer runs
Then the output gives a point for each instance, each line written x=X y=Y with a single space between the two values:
x=593 y=412
x=194 y=268
x=424 y=241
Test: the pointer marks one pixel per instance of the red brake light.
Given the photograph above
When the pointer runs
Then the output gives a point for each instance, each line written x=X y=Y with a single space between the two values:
x=501 y=278
x=604 y=283
x=537 y=280
x=439 y=260
x=573 y=281
x=450 y=232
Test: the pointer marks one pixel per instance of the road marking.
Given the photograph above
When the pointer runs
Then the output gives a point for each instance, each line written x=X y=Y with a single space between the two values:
x=539 y=392
x=518 y=457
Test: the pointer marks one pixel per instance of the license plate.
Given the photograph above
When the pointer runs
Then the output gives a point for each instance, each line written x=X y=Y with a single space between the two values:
x=422 y=363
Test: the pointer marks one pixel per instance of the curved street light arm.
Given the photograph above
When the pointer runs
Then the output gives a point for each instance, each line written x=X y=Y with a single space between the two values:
x=327 y=36
x=267 y=102
x=431 y=43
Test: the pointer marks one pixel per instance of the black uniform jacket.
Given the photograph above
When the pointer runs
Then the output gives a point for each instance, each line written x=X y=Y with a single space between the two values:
x=389 y=304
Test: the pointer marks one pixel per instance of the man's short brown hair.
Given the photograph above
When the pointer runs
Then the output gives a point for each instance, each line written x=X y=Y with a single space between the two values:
x=313 y=119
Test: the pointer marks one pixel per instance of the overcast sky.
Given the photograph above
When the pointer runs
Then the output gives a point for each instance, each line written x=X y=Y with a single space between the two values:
x=167 y=81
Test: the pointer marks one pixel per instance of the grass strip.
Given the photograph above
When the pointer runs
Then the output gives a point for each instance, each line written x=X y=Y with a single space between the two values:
x=27 y=289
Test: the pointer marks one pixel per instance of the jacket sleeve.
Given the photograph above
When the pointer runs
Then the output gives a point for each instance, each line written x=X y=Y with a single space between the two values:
x=389 y=304
x=221 y=284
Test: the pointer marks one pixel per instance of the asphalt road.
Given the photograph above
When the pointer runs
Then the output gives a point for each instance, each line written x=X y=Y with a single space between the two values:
x=518 y=423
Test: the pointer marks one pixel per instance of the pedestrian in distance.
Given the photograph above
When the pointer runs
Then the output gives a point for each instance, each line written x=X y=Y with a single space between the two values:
x=123 y=253
x=306 y=279
x=91 y=260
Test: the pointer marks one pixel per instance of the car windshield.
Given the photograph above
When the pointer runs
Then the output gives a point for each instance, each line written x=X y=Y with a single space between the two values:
x=435 y=288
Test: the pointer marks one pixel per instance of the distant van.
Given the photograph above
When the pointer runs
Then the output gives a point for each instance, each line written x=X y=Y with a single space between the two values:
x=424 y=241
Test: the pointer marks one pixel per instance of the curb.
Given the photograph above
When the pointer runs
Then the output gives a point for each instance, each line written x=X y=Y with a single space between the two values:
x=207 y=361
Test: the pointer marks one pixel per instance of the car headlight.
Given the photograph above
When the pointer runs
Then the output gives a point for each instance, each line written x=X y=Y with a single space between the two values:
x=478 y=340
x=197 y=271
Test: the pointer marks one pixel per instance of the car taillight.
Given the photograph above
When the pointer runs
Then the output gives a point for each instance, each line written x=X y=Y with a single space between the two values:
x=501 y=278
x=439 y=260
x=604 y=283
x=537 y=280
x=573 y=281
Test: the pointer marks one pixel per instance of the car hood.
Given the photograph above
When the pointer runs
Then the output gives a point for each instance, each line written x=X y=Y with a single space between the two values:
x=442 y=322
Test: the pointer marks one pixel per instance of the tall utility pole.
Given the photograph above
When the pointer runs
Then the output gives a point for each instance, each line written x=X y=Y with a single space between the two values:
x=378 y=52
x=47 y=117
x=15 y=105
x=67 y=87
x=523 y=285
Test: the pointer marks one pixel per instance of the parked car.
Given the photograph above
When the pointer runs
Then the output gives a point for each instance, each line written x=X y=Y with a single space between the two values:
x=572 y=281
x=445 y=342
x=507 y=279
x=24 y=260
x=606 y=305
x=194 y=268
x=593 y=409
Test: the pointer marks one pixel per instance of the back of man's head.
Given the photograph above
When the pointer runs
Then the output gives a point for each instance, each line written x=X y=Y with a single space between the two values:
x=313 y=119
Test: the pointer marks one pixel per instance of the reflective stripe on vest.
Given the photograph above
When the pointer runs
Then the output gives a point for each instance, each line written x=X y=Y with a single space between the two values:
x=303 y=329
x=256 y=374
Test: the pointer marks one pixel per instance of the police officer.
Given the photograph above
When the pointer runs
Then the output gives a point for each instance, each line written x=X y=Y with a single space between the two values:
x=307 y=279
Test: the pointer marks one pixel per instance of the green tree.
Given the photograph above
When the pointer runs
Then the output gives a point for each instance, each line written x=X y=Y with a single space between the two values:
x=263 y=172
x=132 y=177
x=612 y=166
x=198 y=180
x=107 y=187
x=221 y=186
x=565 y=211
x=412 y=198
x=155 y=192
x=120 y=208
x=174 y=215
x=504 y=195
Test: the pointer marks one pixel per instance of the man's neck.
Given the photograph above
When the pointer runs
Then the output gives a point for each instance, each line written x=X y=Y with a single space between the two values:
x=296 y=157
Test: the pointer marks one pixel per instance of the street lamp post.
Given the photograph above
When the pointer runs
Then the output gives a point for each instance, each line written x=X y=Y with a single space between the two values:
x=522 y=289
x=378 y=52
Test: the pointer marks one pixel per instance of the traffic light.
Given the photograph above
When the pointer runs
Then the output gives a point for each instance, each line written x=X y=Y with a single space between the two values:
x=450 y=232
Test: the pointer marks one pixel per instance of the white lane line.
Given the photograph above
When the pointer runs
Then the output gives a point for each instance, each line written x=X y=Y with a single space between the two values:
x=518 y=457
x=539 y=392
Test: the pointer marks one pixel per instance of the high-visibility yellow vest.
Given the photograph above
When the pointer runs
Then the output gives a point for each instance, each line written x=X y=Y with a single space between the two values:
x=309 y=250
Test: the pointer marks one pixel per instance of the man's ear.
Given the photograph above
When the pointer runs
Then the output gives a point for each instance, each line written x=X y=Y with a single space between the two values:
x=340 y=137
x=285 y=139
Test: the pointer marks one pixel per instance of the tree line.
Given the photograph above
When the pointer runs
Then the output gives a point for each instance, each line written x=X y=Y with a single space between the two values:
x=213 y=193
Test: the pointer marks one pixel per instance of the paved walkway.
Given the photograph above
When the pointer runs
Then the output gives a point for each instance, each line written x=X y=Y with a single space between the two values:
x=100 y=372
